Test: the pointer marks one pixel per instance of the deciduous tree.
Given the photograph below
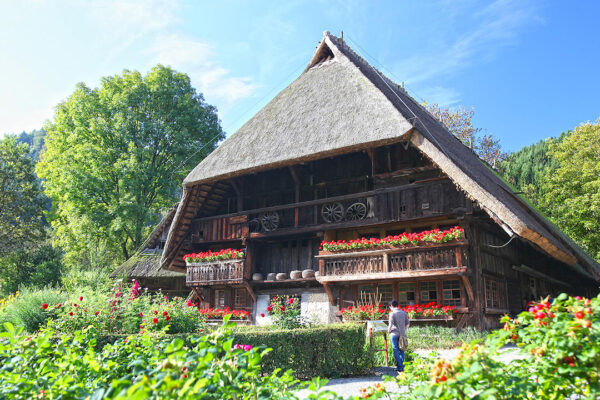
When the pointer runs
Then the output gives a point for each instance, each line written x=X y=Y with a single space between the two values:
x=571 y=192
x=116 y=156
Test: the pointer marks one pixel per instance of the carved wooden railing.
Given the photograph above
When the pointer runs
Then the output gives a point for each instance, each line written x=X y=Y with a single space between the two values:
x=216 y=272
x=422 y=260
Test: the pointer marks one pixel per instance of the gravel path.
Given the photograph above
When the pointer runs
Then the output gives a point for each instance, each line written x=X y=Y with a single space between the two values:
x=351 y=386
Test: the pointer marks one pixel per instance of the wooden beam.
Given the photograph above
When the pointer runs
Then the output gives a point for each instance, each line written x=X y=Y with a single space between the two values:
x=329 y=294
x=391 y=275
x=250 y=291
x=198 y=292
x=468 y=288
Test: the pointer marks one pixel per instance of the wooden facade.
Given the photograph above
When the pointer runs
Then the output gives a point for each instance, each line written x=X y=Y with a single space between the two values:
x=383 y=174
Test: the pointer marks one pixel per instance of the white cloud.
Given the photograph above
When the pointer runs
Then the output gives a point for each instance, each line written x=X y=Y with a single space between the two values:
x=443 y=96
x=154 y=25
x=496 y=26
x=197 y=59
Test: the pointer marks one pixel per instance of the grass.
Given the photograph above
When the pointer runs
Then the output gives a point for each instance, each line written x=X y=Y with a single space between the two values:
x=26 y=309
x=429 y=338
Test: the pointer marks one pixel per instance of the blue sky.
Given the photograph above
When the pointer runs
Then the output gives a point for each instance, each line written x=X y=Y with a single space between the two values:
x=530 y=69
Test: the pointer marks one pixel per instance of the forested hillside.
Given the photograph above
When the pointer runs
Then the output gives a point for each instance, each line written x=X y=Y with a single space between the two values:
x=525 y=169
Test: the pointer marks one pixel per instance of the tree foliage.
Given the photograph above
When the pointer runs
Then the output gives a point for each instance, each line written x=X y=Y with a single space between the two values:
x=459 y=122
x=35 y=140
x=571 y=192
x=116 y=156
x=21 y=199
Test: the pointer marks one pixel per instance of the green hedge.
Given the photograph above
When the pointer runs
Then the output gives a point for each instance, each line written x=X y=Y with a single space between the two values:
x=329 y=351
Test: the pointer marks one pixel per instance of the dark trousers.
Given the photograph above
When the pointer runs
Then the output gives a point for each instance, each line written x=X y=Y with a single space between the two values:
x=398 y=353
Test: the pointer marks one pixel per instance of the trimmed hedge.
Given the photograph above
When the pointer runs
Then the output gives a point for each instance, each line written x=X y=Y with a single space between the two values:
x=329 y=351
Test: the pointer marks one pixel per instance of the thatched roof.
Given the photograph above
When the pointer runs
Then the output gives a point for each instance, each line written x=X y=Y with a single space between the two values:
x=340 y=104
x=146 y=262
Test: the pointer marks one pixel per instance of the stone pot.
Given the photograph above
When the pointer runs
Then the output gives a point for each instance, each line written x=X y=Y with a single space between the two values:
x=296 y=274
x=308 y=273
x=281 y=276
x=257 y=277
x=271 y=276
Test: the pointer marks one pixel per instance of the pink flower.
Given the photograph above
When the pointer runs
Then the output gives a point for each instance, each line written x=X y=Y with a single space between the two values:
x=45 y=306
x=290 y=300
x=189 y=303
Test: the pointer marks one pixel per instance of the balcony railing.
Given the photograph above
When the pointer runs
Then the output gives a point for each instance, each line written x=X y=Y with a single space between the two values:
x=418 y=261
x=216 y=272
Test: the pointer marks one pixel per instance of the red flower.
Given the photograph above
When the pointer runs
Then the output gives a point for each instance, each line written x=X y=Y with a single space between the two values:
x=269 y=308
x=579 y=315
x=45 y=306
x=165 y=313
x=58 y=305
x=97 y=312
x=189 y=303
x=80 y=298
x=167 y=318
x=71 y=313
x=155 y=320
x=290 y=300
x=155 y=312
x=282 y=308
x=262 y=315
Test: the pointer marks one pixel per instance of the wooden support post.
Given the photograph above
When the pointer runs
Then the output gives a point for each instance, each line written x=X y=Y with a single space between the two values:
x=459 y=258
x=371 y=154
x=296 y=179
x=238 y=193
x=250 y=291
x=468 y=288
x=329 y=294
x=386 y=262
x=198 y=293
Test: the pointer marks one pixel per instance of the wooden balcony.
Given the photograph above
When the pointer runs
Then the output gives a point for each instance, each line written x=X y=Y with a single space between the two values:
x=410 y=262
x=407 y=202
x=217 y=273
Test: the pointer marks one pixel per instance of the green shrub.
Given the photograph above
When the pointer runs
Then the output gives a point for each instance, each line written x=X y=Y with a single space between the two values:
x=26 y=309
x=328 y=351
x=147 y=366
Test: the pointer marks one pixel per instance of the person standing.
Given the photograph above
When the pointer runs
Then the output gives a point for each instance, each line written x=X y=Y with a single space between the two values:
x=397 y=327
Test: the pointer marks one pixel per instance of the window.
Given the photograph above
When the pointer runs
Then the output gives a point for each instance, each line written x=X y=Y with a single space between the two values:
x=366 y=294
x=386 y=292
x=494 y=293
x=219 y=298
x=428 y=291
x=406 y=293
x=239 y=299
x=451 y=293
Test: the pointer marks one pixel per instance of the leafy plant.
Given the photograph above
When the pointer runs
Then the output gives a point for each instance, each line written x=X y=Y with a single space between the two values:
x=285 y=311
x=559 y=344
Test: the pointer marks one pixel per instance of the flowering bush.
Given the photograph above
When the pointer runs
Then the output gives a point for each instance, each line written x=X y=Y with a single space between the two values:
x=377 y=312
x=431 y=309
x=116 y=313
x=219 y=313
x=433 y=236
x=225 y=254
x=285 y=311
x=364 y=312
x=559 y=344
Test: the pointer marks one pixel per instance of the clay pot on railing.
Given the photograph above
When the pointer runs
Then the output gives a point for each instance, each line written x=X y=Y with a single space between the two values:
x=257 y=277
x=295 y=274
x=308 y=273
x=281 y=276
x=271 y=276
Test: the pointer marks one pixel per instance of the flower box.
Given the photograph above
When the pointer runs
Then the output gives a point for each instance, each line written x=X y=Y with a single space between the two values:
x=402 y=241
